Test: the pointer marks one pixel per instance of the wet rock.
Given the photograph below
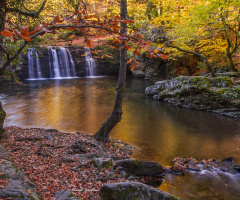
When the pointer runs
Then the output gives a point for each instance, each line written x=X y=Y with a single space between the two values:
x=102 y=162
x=141 y=168
x=132 y=190
x=229 y=159
x=237 y=167
x=216 y=94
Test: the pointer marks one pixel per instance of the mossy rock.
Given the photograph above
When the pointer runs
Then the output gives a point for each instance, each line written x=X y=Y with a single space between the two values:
x=141 y=168
x=132 y=191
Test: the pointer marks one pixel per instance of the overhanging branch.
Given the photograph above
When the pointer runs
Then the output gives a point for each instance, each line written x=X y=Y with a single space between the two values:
x=29 y=14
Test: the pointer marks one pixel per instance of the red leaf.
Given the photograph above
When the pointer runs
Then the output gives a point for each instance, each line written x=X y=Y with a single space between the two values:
x=55 y=20
x=6 y=33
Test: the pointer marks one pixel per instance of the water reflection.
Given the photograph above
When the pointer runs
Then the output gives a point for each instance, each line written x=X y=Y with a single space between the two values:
x=161 y=132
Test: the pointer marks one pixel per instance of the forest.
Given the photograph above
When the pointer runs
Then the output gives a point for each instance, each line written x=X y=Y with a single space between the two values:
x=119 y=99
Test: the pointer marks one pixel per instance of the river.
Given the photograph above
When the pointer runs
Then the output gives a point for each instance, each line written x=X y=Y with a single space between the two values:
x=159 y=131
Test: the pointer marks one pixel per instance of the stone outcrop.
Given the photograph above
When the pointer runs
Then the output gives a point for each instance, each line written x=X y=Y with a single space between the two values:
x=141 y=168
x=132 y=191
x=219 y=94
x=14 y=183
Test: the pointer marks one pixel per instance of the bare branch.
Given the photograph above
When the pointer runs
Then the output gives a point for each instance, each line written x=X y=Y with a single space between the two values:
x=29 y=14
x=1 y=46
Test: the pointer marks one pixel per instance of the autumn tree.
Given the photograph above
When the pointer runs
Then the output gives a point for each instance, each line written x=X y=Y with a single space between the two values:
x=116 y=116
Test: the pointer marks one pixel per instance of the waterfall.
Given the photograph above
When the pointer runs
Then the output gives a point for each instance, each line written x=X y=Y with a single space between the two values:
x=39 y=72
x=90 y=63
x=49 y=61
x=60 y=64
x=30 y=64
x=73 y=70
x=34 y=59
x=56 y=68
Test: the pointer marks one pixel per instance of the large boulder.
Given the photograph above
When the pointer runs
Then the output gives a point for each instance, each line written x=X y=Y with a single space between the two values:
x=141 y=168
x=2 y=117
x=216 y=94
x=132 y=191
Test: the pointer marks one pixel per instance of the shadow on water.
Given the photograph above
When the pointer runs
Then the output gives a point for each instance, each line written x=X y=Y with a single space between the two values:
x=161 y=132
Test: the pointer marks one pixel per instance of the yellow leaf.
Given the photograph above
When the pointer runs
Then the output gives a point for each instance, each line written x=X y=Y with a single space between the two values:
x=6 y=33
x=156 y=51
x=71 y=36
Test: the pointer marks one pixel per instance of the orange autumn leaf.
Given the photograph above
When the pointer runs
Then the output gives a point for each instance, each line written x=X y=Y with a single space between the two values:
x=163 y=56
x=89 y=44
x=6 y=33
x=102 y=56
x=131 y=67
x=27 y=39
x=29 y=192
x=130 y=60
x=71 y=29
x=156 y=51
x=71 y=36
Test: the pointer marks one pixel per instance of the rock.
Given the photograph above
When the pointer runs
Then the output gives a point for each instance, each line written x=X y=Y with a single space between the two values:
x=237 y=167
x=132 y=191
x=141 y=168
x=216 y=94
x=102 y=162
x=17 y=185
x=2 y=118
x=64 y=195
x=229 y=159
x=137 y=73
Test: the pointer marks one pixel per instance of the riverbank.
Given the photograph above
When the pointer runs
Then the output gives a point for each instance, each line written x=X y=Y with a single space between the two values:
x=56 y=161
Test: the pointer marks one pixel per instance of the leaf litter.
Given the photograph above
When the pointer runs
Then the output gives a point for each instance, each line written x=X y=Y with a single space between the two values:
x=57 y=161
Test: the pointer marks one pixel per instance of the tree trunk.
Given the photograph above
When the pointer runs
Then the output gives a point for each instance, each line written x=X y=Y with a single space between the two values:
x=197 y=54
x=229 y=55
x=2 y=117
x=116 y=116
x=2 y=24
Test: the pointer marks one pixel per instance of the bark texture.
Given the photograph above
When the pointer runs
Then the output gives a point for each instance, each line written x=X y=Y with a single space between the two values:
x=116 y=116
x=2 y=118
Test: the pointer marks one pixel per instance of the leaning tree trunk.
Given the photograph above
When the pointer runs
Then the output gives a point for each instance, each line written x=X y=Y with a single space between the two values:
x=2 y=117
x=116 y=116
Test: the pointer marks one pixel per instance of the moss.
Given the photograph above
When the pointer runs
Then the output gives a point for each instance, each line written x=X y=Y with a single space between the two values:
x=221 y=81
x=31 y=197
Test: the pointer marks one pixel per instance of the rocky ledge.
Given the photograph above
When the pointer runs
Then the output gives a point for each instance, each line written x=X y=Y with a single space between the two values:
x=216 y=94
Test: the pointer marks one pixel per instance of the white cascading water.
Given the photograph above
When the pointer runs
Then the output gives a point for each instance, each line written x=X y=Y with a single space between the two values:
x=30 y=64
x=56 y=68
x=49 y=61
x=39 y=72
x=63 y=56
x=90 y=63
x=72 y=65
x=60 y=63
